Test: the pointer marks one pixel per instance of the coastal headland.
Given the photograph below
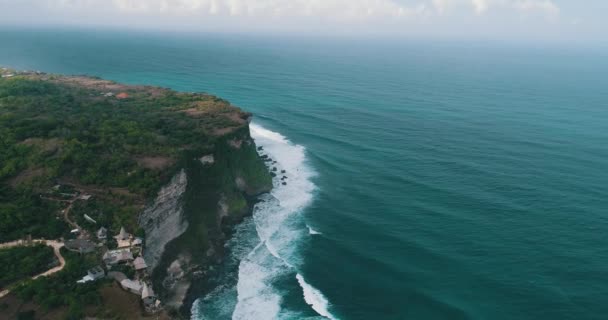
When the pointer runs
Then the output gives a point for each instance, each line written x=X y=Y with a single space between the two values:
x=135 y=187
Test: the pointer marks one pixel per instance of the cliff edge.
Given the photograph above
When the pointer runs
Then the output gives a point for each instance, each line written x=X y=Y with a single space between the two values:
x=81 y=155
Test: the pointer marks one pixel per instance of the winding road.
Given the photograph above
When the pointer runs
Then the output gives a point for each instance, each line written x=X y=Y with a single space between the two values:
x=57 y=245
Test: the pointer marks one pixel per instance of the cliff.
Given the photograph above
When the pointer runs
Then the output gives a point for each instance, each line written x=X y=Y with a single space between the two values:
x=179 y=169
x=189 y=221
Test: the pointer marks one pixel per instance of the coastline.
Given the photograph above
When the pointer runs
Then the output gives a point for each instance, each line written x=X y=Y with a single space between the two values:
x=196 y=174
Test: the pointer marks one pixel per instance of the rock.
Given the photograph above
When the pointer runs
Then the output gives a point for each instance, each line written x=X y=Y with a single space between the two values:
x=208 y=159
x=163 y=220
x=235 y=143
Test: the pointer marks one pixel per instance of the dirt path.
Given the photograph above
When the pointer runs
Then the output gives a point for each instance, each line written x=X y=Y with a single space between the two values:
x=51 y=243
x=66 y=217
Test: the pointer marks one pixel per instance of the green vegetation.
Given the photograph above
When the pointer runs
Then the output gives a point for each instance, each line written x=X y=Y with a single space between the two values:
x=111 y=214
x=19 y=263
x=119 y=144
x=62 y=290
x=61 y=129
x=23 y=213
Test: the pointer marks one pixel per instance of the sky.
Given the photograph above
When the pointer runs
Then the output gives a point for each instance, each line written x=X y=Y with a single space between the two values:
x=565 y=20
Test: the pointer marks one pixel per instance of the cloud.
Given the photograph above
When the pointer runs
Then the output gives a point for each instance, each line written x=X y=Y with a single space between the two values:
x=544 y=6
x=338 y=9
x=330 y=9
x=415 y=17
x=480 y=6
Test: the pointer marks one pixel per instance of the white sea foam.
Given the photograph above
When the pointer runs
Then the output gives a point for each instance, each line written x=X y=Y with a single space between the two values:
x=312 y=231
x=280 y=230
x=314 y=298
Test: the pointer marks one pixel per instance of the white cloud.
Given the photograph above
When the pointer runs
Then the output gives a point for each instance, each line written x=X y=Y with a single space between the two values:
x=544 y=6
x=338 y=9
x=480 y=6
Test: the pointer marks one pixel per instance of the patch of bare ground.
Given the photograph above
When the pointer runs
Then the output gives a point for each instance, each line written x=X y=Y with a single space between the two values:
x=11 y=306
x=110 y=86
x=91 y=83
x=48 y=146
x=106 y=193
x=155 y=162
x=120 y=304
x=223 y=131
x=26 y=176
x=204 y=107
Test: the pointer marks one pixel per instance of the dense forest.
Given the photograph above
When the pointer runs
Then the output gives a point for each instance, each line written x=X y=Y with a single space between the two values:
x=61 y=290
x=19 y=263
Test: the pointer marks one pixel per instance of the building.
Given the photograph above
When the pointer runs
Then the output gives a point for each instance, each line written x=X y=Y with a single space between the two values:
x=96 y=273
x=137 y=242
x=148 y=296
x=133 y=286
x=89 y=219
x=122 y=95
x=80 y=245
x=139 y=264
x=114 y=257
x=92 y=275
x=123 y=238
x=102 y=233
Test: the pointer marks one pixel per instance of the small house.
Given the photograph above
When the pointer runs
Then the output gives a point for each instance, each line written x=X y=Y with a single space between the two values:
x=123 y=238
x=115 y=257
x=96 y=273
x=102 y=233
x=92 y=275
x=80 y=245
x=148 y=296
x=137 y=242
x=133 y=286
x=140 y=264
x=122 y=95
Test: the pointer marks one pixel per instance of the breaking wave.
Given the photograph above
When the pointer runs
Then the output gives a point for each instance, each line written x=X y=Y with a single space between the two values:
x=268 y=260
x=312 y=231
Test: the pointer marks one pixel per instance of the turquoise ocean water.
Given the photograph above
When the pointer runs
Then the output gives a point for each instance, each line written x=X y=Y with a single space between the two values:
x=427 y=180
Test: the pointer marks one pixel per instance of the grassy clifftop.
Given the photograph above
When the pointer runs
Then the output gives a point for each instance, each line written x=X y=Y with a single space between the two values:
x=111 y=140
x=66 y=136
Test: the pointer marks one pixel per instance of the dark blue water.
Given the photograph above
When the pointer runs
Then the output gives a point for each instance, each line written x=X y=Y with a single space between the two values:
x=447 y=180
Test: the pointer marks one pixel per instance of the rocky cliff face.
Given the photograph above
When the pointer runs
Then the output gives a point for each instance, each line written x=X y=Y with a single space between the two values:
x=164 y=219
x=186 y=225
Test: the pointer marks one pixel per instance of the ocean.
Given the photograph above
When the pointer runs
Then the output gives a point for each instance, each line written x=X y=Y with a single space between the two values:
x=426 y=179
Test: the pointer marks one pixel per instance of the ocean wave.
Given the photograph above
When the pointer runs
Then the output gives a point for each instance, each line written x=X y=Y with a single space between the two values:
x=265 y=250
x=281 y=229
x=312 y=231
x=315 y=298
